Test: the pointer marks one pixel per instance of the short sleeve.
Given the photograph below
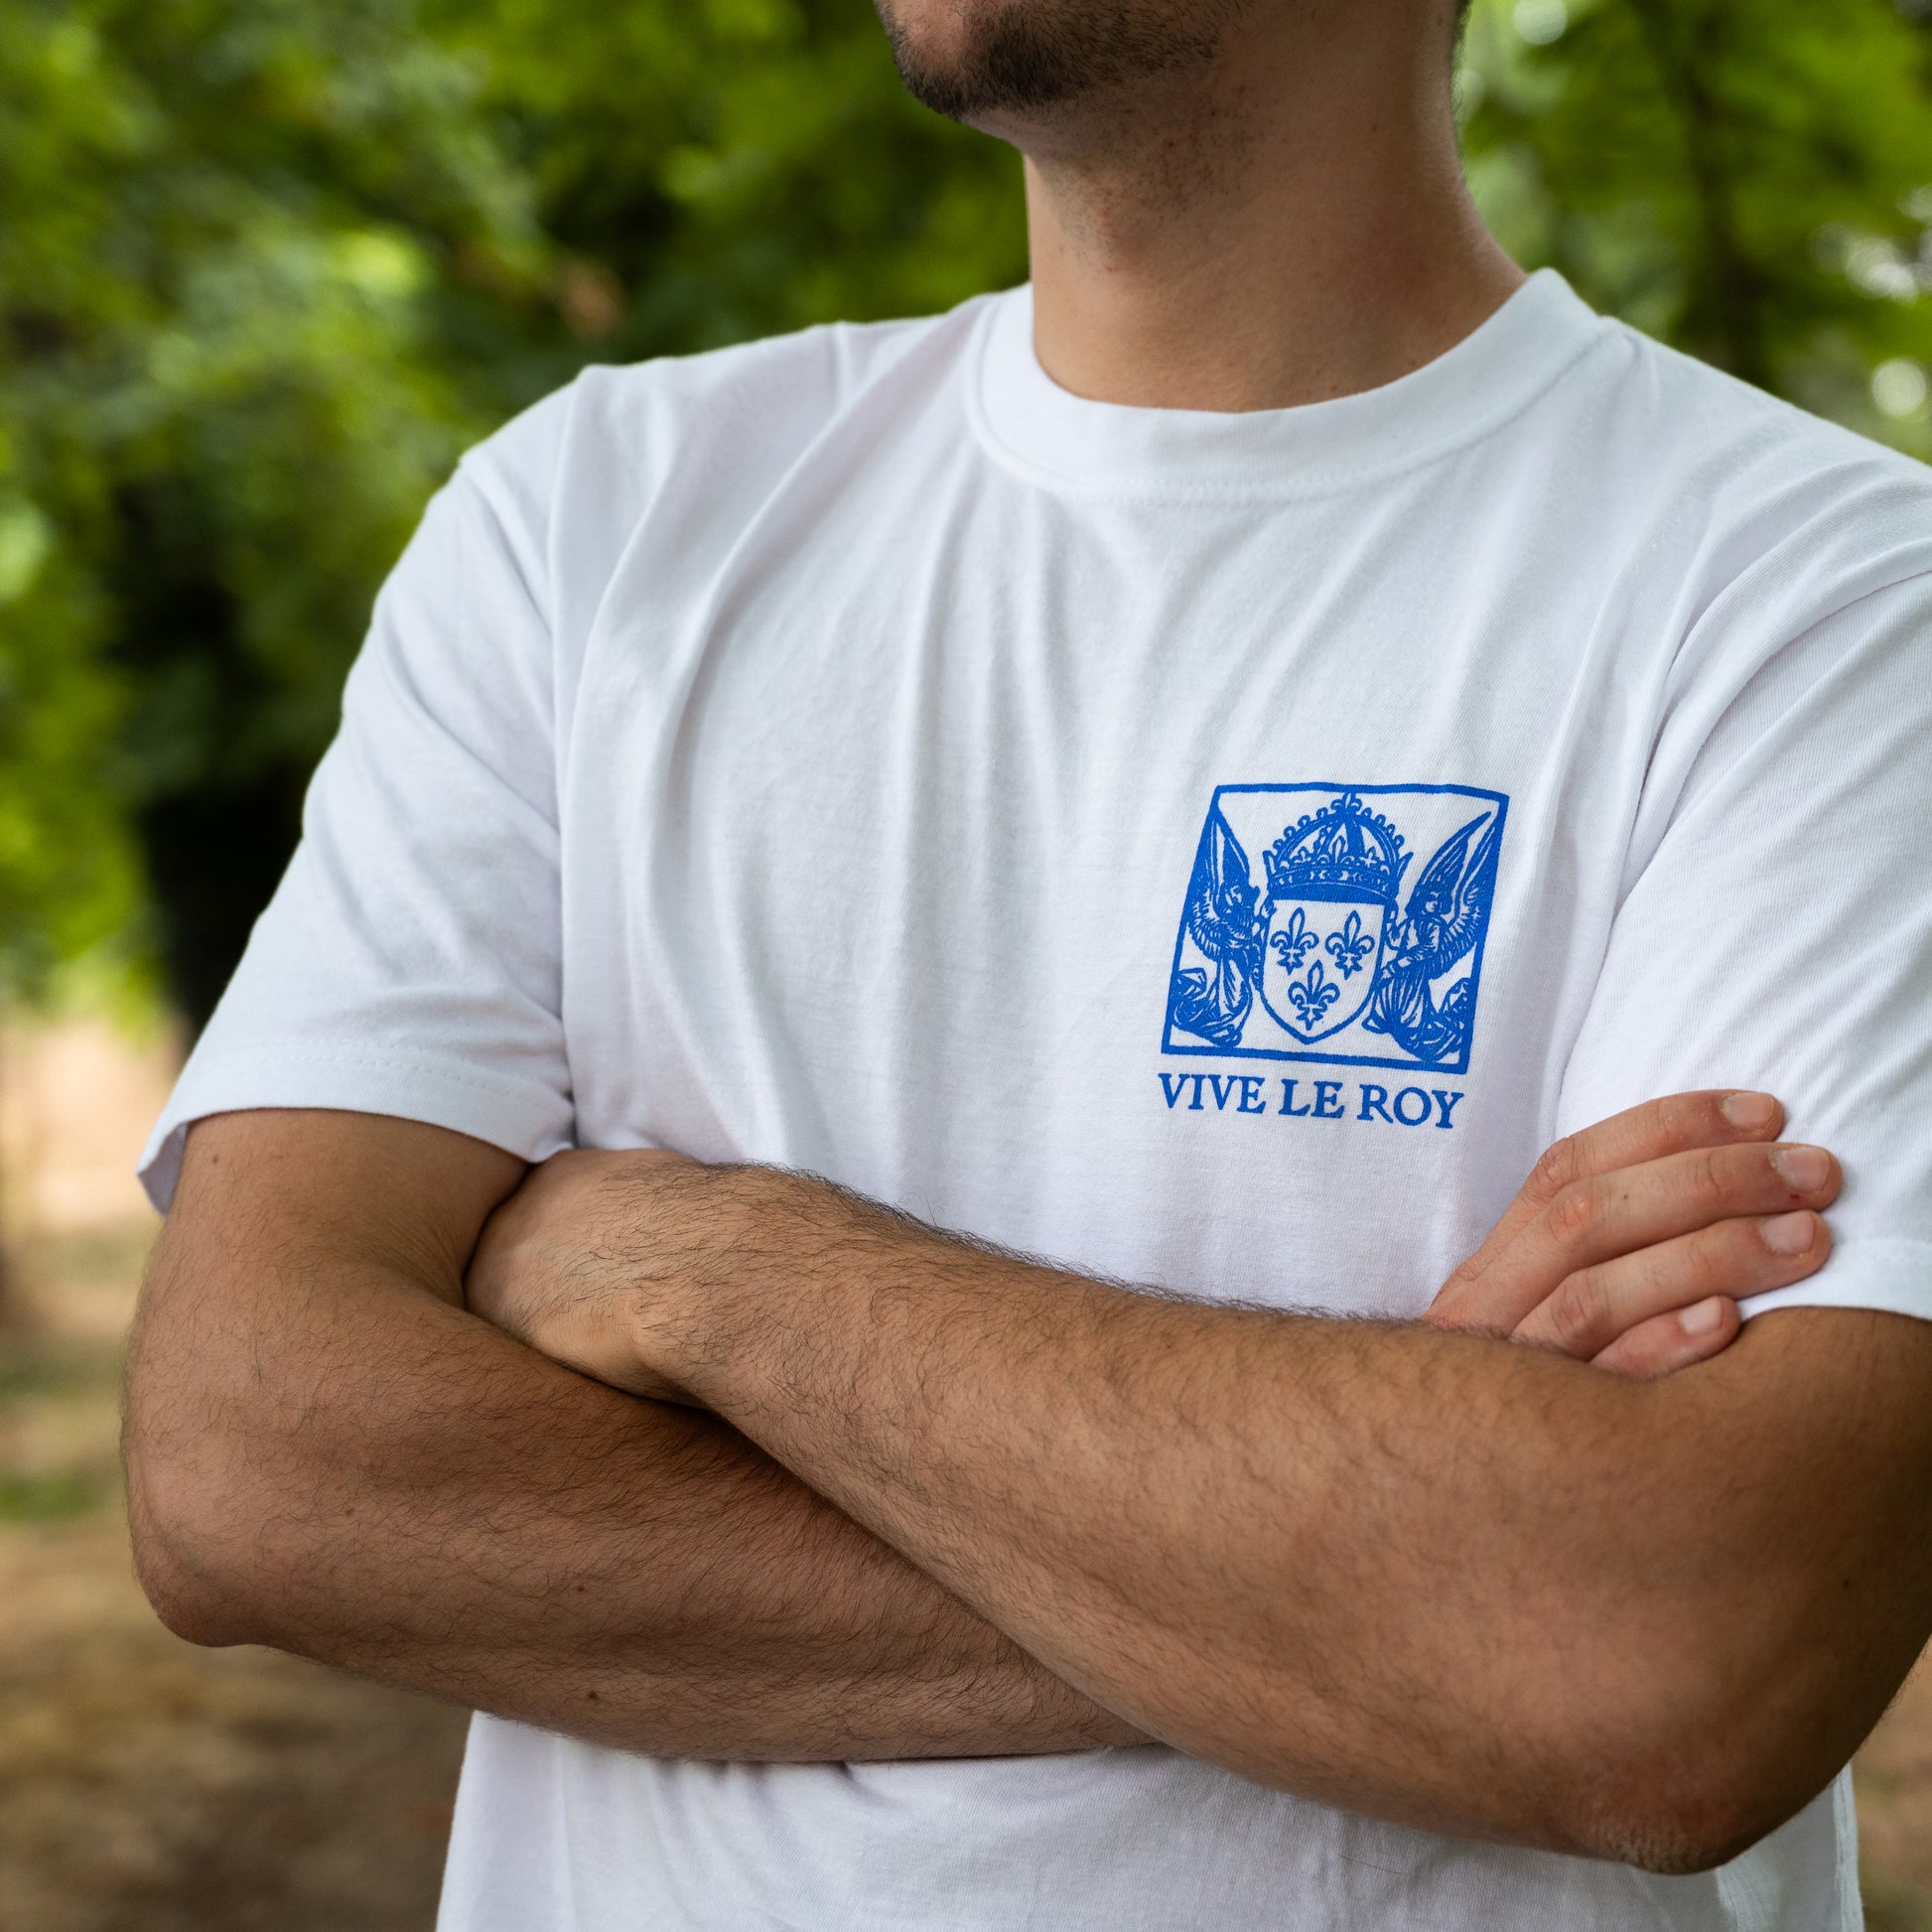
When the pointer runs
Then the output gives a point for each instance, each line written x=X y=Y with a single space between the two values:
x=410 y=961
x=1777 y=933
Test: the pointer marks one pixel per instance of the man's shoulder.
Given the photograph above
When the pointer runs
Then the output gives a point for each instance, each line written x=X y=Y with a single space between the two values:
x=768 y=388
x=1754 y=508
x=1749 y=452
x=617 y=432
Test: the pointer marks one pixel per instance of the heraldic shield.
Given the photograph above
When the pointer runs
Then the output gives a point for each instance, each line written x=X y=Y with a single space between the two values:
x=1319 y=963
x=1333 y=880
x=1359 y=936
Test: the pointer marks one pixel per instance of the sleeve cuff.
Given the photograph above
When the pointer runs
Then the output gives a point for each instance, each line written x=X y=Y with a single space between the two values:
x=1864 y=1271
x=522 y=1117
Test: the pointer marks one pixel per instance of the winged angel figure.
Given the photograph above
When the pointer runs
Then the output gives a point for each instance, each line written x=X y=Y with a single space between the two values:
x=1439 y=928
x=1447 y=908
x=1223 y=921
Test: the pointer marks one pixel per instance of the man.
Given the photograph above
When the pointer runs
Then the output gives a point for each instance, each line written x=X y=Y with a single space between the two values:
x=1199 y=768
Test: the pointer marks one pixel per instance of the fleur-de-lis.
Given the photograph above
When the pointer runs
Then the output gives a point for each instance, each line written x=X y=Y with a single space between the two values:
x=1292 y=943
x=1351 y=947
x=1313 y=997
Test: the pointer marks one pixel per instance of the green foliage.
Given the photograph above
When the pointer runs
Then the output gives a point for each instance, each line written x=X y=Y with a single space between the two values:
x=266 y=265
x=64 y=876
x=723 y=169
x=224 y=402
x=1751 y=180
x=50 y=1496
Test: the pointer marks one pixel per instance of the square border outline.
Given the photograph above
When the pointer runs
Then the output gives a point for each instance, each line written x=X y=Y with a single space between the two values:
x=1500 y=799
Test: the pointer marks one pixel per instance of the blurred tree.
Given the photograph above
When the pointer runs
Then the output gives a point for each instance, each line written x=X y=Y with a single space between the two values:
x=221 y=225
x=265 y=265
x=729 y=168
x=1751 y=180
x=63 y=873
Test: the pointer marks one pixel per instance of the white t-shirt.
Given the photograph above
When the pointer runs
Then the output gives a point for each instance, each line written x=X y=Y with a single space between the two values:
x=1213 y=850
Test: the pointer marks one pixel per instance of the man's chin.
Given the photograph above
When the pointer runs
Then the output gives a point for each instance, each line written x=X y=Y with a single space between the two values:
x=997 y=64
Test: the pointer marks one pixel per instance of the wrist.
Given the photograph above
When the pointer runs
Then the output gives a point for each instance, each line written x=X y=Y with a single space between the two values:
x=714 y=1239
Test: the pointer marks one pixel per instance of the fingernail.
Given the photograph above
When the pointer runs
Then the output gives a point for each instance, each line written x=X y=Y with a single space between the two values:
x=1702 y=1317
x=1748 y=1110
x=1802 y=1166
x=1788 y=1234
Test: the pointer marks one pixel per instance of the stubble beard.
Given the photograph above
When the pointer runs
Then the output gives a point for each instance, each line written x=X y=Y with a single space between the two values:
x=1024 y=55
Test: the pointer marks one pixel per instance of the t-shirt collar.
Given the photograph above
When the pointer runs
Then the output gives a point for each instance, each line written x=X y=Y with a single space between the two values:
x=1066 y=441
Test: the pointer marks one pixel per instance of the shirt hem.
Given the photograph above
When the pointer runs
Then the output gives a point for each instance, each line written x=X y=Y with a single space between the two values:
x=523 y=1118
x=1890 y=1274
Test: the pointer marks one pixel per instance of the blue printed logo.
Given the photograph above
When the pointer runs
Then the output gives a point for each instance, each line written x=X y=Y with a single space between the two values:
x=1360 y=937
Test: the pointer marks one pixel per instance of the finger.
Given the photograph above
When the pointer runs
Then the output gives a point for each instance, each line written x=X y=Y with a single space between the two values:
x=1751 y=1255
x=1667 y=1343
x=1620 y=1214
x=1609 y=1215
x=1673 y=1124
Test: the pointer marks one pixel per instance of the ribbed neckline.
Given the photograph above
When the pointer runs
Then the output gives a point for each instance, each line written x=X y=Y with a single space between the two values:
x=1068 y=443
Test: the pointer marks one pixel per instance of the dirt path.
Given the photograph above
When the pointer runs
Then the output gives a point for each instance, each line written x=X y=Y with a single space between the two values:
x=145 y=1785
x=1894 y=1776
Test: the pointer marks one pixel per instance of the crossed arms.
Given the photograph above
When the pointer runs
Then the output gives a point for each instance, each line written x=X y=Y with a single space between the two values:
x=939 y=1500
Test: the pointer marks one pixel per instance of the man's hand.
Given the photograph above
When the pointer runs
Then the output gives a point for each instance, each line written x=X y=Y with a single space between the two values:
x=1632 y=1242
x=1629 y=1246
x=562 y=1263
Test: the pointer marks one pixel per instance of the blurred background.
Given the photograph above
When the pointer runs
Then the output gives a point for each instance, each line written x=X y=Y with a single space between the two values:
x=266 y=266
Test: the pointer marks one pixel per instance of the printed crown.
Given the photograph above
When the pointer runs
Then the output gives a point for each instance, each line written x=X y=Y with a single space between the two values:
x=1342 y=850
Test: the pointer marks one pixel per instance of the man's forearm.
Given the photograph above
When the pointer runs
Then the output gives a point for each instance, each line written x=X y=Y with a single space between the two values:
x=1469 y=1586
x=328 y=1457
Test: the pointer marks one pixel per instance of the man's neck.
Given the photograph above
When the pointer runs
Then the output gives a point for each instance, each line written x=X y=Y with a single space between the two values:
x=1294 y=230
